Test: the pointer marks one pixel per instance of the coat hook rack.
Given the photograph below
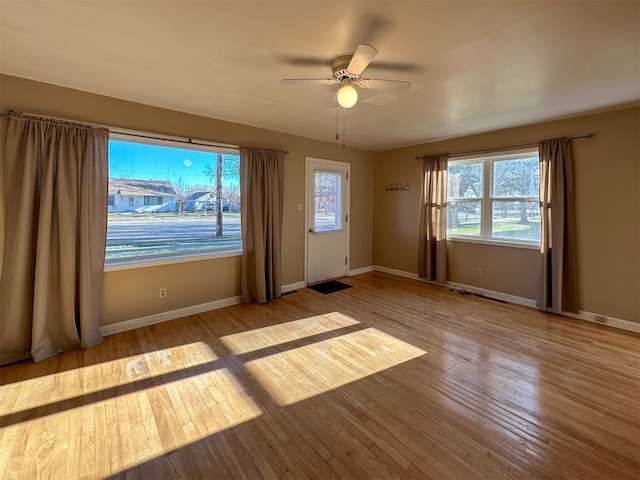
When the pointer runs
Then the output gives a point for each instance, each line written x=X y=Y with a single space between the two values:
x=395 y=188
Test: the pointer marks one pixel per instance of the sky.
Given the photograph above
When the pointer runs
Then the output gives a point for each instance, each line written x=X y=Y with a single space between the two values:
x=152 y=162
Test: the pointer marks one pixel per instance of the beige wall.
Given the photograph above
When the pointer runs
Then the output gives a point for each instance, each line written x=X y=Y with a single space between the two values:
x=608 y=229
x=607 y=177
x=130 y=294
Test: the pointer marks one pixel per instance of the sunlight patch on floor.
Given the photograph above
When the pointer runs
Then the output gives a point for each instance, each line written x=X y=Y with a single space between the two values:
x=141 y=426
x=110 y=417
x=304 y=372
x=58 y=387
x=252 y=340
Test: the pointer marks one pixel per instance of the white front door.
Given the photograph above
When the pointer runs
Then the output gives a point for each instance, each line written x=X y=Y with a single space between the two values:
x=327 y=219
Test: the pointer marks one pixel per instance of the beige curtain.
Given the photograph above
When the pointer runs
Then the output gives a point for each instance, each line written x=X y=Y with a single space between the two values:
x=433 y=220
x=55 y=234
x=261 y=200
x=557 y=286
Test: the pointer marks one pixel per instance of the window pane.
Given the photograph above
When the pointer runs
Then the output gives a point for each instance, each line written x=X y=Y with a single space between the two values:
x=152 y=200
x=166 y=201
x=464 y=180
x=463 y=218
x=516 y=178
x=501 y=206
x=516 y=220
x=328 y=202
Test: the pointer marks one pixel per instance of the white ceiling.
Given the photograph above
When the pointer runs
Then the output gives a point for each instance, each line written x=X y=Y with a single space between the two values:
x=475 y=66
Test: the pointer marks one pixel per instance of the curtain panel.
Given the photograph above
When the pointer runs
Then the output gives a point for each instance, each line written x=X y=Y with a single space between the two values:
x=433 y=220
x=558 y=285
x=261 y=201
x=55 y=235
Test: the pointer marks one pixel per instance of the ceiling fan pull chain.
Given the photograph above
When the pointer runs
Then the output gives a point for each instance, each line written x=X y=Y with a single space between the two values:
x=344 y=125
x=337 y=121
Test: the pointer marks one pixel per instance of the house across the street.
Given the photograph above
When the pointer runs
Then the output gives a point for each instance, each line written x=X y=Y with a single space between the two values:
x=206 y=201
x=134 y=195
x=199 y=201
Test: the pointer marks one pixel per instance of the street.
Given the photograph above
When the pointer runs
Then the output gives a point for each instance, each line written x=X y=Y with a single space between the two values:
x=157 y=230
x=167 y=237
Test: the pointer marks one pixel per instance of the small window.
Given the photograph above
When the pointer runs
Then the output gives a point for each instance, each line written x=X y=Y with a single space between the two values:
x=495 y=198
x=328 y=201
x=148 y=200
x=169 y=200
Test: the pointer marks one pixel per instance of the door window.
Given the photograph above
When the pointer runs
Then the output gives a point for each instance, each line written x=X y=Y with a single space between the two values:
x=328 y=201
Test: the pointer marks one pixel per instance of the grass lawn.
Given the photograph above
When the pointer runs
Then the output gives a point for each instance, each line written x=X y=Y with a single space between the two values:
x=141 y=248
x=500 y=229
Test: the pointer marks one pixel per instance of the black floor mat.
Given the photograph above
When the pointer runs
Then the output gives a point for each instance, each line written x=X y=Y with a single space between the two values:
x=329 y=287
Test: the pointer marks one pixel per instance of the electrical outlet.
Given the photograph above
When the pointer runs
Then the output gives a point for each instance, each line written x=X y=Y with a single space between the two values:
x=480 y=272
x=163 y=292
x=601 y=319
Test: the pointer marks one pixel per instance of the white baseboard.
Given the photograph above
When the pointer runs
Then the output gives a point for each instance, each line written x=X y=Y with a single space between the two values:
x=527 y=302
x=399 y=273
x=360 y=271
x=611 y=321
x=487 y=293
x=165 y=316
x=181 y=312
x=292 y=286
x=119 y=327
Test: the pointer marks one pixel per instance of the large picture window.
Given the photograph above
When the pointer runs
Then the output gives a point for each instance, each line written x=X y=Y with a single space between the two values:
x=495 y=198
x=168 y=200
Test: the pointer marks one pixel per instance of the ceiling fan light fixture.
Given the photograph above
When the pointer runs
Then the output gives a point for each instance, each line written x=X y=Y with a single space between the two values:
x=347 y=96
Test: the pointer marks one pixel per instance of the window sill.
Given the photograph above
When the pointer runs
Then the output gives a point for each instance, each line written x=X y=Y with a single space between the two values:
x=496 y=243
x=131 y=263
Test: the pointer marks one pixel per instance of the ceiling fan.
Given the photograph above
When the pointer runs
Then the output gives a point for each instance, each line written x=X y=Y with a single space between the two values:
x=347 y=71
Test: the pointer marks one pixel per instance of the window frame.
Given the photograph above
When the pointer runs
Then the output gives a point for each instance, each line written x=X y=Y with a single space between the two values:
x=487 y=200
x=140 y=261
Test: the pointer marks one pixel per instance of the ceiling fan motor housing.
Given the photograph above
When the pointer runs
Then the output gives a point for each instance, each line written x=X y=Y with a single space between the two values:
x=339 y=68
x=347 y=70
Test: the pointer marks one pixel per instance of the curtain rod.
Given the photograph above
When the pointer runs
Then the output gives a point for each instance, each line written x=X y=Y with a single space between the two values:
x=188 y=141
x=286 y=152
x=497 y=149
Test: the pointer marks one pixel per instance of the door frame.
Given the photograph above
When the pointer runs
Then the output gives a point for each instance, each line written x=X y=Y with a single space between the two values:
x=347 y=208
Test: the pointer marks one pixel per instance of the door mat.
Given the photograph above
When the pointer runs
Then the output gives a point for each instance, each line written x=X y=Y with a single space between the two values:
x=329 y=287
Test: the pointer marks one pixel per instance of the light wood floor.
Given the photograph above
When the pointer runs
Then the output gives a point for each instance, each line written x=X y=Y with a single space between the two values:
x=392 y=378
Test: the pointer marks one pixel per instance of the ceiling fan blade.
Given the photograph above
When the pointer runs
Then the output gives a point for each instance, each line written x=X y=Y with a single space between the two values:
x=369 y=29
x=308 y=81
x=388 y=85
x=380 y=98
x=396 y=67
x=304 y=61
x=363 y=56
